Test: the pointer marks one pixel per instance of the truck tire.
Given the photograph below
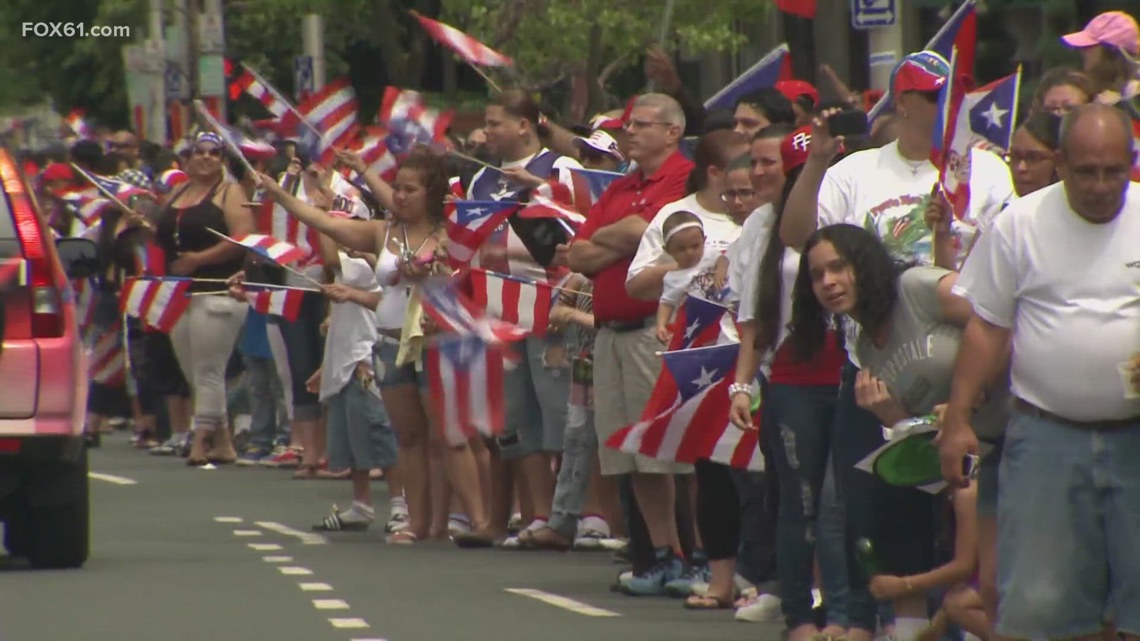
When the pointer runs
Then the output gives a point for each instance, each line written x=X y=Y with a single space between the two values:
x=59 y=534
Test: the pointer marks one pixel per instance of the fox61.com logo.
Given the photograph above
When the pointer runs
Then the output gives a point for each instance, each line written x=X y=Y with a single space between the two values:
x=73 y=30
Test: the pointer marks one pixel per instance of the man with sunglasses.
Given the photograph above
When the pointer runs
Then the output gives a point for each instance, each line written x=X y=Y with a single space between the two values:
x=126 y=144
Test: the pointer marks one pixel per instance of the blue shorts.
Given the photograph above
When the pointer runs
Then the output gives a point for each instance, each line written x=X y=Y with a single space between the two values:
x=1068 y=526
x=536 y=401
x=360 y=436
x=388 y=374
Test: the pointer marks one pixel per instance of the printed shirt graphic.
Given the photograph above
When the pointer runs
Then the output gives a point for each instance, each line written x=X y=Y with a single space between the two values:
x=879 y=191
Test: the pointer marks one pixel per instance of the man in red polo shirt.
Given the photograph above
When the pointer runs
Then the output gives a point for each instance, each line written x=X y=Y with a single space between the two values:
x=625 y=362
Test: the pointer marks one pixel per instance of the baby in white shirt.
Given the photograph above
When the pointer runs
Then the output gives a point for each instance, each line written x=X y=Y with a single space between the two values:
x=684 y=237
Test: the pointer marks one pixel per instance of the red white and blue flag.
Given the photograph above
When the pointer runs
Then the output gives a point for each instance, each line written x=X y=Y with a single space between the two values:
x=453 y=311
x=698 y=427
x=410 y=122
x=697 y=325
x=471 y=50
x=590 y=184
x=552 y=199
x=278 y=251
x=465 y=375
x=770 y=69
x=519 y=301
x=285 y=303
x=107 y=361
x=470 y=222
x=251 y=83
x=76 y=122
x=325 y=121
x=158 y=302
x=87 y=204
x=983 y=117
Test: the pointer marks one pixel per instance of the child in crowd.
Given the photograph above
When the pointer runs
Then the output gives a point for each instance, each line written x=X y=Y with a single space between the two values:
x=360 y=437
x=685 y=242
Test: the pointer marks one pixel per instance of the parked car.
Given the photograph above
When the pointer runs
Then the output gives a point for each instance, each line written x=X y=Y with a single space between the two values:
x=43 y=383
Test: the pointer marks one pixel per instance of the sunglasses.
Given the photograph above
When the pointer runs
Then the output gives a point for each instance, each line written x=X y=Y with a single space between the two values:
x=208 y=151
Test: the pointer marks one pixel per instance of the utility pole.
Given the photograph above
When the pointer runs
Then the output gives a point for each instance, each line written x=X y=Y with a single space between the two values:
x=313 y=44
x=211 y=59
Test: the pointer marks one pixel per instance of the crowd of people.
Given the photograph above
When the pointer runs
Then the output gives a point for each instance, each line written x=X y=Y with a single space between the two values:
x=861 y=300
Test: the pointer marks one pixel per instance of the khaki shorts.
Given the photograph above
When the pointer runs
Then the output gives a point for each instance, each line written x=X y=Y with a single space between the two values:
x=626 y=366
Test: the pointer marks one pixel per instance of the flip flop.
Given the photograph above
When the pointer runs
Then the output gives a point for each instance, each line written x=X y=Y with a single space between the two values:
x=695 y=602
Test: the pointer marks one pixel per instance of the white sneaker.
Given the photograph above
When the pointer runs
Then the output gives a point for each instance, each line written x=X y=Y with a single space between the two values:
x=763 y=609
x=458 y=524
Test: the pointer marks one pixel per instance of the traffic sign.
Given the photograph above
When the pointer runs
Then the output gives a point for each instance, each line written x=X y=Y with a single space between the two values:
x=173 y=79
x=302 y=76
x=871 y=14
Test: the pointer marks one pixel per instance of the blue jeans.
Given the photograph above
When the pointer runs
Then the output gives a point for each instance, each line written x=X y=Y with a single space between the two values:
x=1068 y=522
x=799 y=422
x=830 y=524
x=266 y=404
x=857 y=434
x=578 y=456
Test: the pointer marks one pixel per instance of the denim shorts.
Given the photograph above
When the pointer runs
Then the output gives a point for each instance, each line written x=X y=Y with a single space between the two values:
x=1068 y=523
x=360 y=437
x=536 y=400
x=388 y=374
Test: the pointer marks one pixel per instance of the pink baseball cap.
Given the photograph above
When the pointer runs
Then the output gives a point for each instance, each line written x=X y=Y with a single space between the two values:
x=1111 y=28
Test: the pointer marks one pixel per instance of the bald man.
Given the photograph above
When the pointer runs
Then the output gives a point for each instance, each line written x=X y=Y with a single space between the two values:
x=1058 y=274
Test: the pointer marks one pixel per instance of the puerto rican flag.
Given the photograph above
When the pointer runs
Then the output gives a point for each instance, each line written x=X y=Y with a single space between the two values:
x=519 y=301
x=769 y=70
x=87 y=203
x=452 y=311
x=107 y=361
x=596 y=182
x=470 y=222
x=550 y=200
x=278 y=251
x=373 y=150
x=285 y=303
x=326 y=120
x=697 y=325
x=158 y=302
x=465 y=376
x=151 y=259
x=697 y=428
x=250 y=82
x=967 y=119
x=471 y=50
x=84 y=304
x=410 y=122
x=77 y=123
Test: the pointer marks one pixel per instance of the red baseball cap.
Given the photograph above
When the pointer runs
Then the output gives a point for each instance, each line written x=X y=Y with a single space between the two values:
x=793 y=89
x=794 y=148
x=1111 y=28
x=924 y=71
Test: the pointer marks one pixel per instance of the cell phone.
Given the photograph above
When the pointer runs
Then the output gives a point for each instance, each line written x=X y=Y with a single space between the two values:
x=849 y=122
x=971 y=466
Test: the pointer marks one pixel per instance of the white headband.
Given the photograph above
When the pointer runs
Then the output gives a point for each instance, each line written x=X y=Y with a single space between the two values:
x=682 y=227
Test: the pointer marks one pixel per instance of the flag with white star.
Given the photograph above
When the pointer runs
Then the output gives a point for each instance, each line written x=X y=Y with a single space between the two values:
x=983 y=118
x=697 y=427
x=470 y=222
x=697 y=325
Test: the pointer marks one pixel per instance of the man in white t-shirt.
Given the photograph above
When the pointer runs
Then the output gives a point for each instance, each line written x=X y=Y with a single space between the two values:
x=1059 y=273
x=885 y=190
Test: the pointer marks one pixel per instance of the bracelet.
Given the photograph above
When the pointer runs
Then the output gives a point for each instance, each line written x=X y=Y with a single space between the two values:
x=739 y=388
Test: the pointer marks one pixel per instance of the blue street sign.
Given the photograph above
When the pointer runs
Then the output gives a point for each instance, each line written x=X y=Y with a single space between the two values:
x=302 y=76
x=174 y=81
x=870 y=14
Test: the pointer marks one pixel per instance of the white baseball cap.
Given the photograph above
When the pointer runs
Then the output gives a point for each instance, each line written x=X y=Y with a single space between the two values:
x=601 y=141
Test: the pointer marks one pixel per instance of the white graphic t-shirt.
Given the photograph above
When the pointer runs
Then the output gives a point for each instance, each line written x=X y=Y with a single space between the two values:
x=880 y=191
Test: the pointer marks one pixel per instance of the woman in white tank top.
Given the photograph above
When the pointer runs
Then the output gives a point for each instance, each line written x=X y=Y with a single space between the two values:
x=405 y=246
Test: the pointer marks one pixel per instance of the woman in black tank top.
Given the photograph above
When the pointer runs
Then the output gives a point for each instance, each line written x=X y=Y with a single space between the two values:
x=205 y=336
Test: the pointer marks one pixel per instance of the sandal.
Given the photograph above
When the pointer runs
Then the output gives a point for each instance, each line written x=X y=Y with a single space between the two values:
x=403 y=537
x=305 y=472
x=544 y=538
x=695 y=602
x=328 y=475
x=471 y=540
x=333 y=523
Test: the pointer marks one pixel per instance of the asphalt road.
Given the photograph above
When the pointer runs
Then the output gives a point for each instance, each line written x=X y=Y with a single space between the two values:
x=186 y=554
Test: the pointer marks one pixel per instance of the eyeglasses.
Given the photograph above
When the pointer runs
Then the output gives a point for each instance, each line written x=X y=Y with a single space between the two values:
x=208 y=151
x=634 y=125
x=1028 y=157
x=737 y=194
